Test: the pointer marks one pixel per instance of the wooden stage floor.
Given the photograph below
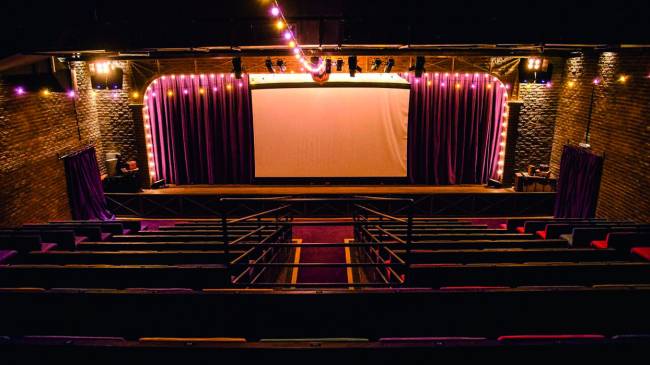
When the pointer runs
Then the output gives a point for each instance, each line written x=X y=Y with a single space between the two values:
x=324 y=190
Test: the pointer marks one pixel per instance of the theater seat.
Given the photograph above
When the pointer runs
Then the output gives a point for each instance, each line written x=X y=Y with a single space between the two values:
x=327 y=339
x=601 y=244
x=541 y=234
x=402 y=340
x=472 y=288
x=191 y=339
x=46 y=246
x=6 y=255
x=73 y=340
x=521 y=229
x=546 y=338
x=644 y=252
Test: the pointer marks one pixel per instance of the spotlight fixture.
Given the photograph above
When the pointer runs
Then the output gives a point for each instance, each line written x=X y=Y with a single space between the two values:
x=419 y=66
x=236 y=67
x=281 y=66
x=269 y=65
x=339 y=64
x=535 y=70
x=389 y=65
x=352 y=65
x=375 y=64
x=534 y=64
x=328 y=66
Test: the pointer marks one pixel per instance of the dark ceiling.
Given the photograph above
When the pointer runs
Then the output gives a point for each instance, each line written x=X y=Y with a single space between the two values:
x=30 y=25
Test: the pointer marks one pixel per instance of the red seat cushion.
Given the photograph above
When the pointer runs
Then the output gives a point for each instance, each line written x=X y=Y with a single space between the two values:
x=521 y=229
x=45 y=246
x=602 y=244
x=541 y=234
x=644 y=252
x=7 y=254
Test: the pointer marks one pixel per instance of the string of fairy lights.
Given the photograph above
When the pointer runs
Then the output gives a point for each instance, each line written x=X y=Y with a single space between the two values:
x=282 y=25
x=317 y=66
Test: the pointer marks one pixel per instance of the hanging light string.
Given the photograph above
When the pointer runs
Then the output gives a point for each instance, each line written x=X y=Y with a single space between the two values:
x=288 y=35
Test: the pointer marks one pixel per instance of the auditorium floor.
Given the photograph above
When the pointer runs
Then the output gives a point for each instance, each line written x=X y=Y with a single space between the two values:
x=323 y=189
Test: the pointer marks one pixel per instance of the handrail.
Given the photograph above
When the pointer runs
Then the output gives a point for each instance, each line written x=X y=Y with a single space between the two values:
x=398 y=245
x=384 y=215
x=372 y=236
x=241 y=238
x=384 y=198
x=257 y=245
x=306 y=199
x=258 y=214
x=389 y=234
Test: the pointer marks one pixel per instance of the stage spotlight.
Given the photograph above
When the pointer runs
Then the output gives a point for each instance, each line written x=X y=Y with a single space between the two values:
x=339 y=64
x=328 y=66
x=375 y=64
x=419 y=66
x=352 y=65
x=281 y=65
x=269 y=65
x=389 y=65
x=236 y=67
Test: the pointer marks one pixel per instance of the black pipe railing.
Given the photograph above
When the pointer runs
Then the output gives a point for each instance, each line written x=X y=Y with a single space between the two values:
x=270 y=253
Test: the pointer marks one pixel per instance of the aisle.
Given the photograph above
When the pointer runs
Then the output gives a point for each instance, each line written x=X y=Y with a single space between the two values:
x=305 y=254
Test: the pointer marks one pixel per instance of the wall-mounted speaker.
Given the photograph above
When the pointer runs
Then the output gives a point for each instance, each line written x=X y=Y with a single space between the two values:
x=111 y=80
x=535 y=70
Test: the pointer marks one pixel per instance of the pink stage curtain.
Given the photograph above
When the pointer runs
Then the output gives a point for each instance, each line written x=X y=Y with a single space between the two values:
x=201 y=129
x=454 y=128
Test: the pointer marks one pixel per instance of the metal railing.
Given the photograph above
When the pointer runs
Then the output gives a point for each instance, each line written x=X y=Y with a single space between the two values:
x=267 y=256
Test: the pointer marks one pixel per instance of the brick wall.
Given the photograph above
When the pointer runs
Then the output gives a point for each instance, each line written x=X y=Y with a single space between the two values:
x=115 y=118
x=620 y=126
x=33 y=129
x=536 y=122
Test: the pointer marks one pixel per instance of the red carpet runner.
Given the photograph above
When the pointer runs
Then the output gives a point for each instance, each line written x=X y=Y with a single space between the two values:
x=322 y=234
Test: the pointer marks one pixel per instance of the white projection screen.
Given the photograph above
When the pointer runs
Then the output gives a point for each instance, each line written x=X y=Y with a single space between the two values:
x=347 y=127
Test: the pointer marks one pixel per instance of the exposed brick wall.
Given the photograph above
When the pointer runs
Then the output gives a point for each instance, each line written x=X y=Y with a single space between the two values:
x=33 y=129
x=115 y=118
x=620 y=127
x=536 y=122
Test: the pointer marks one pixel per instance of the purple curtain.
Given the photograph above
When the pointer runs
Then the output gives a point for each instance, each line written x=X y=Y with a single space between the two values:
x=454 y=128
x=201 y=129
x=85 y=191
x=579 y=182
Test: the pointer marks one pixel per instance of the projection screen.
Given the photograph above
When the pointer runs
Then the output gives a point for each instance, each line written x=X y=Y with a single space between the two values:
x=347 y=127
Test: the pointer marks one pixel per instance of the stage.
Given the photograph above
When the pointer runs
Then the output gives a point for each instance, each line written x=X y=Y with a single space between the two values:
x=203 y=201
x=281 y=190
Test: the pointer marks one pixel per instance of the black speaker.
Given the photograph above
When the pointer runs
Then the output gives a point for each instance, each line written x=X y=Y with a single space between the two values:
x=158 y=184
x=111 y=80
x=535 y=70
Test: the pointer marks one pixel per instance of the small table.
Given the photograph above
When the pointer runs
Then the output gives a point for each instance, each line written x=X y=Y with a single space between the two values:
x=525 y=182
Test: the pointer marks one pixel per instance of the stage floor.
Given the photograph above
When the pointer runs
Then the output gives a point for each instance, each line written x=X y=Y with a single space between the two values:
x=324 y=190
